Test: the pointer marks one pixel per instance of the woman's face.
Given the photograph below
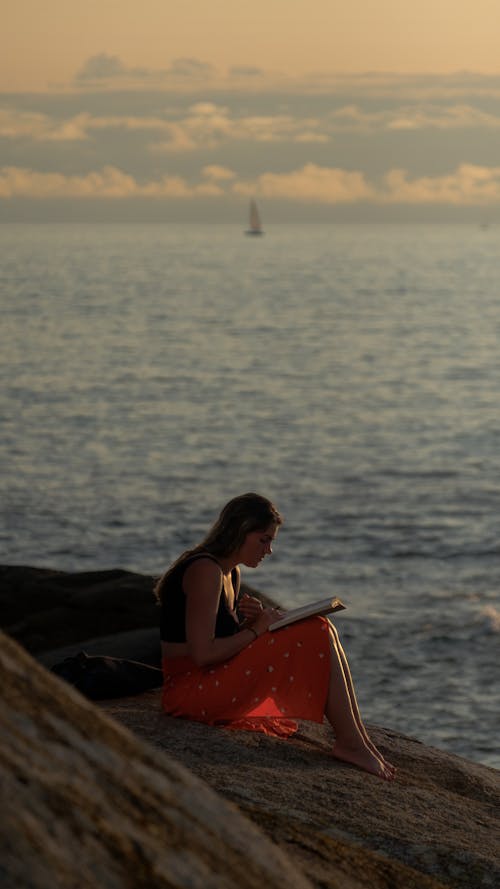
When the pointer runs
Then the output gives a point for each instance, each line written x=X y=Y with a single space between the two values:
x=256 y=545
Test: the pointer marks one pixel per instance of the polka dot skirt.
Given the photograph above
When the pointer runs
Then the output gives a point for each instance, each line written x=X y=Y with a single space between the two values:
x=280 y=677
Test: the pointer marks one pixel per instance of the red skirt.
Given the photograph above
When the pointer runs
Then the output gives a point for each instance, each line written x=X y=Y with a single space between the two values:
x=280 y=677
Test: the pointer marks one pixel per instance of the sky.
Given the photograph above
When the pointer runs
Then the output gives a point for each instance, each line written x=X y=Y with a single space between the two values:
x=153 y=111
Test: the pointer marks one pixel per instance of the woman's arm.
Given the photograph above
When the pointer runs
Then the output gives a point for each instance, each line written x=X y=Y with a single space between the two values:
x=202 y=586
x=248 y=607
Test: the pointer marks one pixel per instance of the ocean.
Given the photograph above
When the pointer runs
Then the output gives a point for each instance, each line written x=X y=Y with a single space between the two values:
x=349 y=372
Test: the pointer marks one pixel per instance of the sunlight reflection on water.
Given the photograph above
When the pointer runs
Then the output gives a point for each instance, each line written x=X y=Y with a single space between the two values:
x=349 y=372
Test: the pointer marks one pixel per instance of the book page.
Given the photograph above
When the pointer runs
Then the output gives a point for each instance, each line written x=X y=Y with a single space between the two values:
x=321 y=607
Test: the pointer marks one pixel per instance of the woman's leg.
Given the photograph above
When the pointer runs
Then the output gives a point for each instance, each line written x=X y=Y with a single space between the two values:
x=350 y=742
x=352 y=694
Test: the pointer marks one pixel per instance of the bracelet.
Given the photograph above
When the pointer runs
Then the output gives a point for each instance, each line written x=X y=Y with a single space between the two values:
x=253 y=631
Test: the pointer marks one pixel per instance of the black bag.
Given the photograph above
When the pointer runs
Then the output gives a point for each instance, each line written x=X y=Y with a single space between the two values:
x=99 y=677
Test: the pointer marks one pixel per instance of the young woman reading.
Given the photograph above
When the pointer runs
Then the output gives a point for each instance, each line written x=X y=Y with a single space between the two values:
x=223 y=666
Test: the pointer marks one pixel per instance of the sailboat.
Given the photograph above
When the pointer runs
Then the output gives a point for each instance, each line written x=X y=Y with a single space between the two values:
x=255 y=224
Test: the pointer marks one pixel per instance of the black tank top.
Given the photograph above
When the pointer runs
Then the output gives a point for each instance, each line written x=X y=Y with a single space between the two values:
x=173 y=606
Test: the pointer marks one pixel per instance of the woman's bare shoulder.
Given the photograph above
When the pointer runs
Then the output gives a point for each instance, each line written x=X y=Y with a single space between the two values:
x=204 y=567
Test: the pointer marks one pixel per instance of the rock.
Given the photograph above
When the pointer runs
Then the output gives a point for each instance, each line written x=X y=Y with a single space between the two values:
x=136 y=645
x=45 y=609
x=59 y=611
x=436 y=825
x=86 y=804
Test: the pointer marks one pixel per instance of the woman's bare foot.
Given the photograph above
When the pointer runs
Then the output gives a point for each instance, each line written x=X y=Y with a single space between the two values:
x=361 y=756
x=371 y=746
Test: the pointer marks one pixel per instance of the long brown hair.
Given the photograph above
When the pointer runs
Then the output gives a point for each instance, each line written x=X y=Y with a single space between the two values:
x=243 y=514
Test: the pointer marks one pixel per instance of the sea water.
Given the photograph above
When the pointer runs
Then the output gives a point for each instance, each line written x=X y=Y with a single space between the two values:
x=350 y=373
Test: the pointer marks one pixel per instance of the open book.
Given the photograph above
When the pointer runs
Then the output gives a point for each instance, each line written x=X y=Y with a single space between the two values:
x=323 y=606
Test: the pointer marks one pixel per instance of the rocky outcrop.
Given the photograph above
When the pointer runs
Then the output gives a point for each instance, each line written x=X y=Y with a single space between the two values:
x=61 y=611
x=45 y=609
x=437 y=824
x=86 y=804
x=90 y=802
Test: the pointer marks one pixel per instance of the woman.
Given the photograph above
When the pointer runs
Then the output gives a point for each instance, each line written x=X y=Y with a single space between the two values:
x=223 y=666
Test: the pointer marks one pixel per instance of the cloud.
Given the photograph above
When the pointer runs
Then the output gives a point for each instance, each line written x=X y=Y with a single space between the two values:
x=191 y=68
x=213 y=171
x=467 y=186
x=208 y=125
x=319 y=138
x=109 y=182
x=104 y=69
x=203 y=125
x=381 y=140
x=21 y=182
x=410 y=117
x=414 y=87
x=311 y=184
x=80 y=127
x=246 y=71
x=39 y=127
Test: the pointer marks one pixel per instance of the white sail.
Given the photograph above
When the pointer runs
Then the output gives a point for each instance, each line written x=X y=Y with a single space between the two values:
x=254 y=217
x=255 y=224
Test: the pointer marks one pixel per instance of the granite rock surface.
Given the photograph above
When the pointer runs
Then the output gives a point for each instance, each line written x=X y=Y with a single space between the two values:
x=87 y=804
x=437 y=825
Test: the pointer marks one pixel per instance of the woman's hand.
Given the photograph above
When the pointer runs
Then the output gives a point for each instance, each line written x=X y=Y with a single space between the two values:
x=249 y=607
x=264 y=620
